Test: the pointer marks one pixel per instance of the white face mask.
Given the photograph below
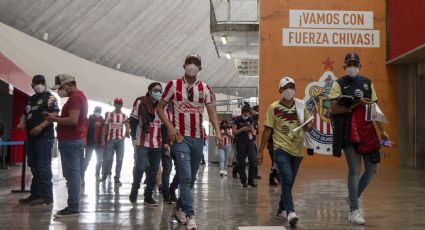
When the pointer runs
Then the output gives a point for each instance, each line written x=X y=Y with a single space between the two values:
x=62 y=93
x=288 y=94
x=40 y=88
x=352 y=71
x=191 y=70
x=156 y=95
x=97 y=114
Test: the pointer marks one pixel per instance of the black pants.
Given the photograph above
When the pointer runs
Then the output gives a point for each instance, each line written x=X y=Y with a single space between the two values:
x=244 y=150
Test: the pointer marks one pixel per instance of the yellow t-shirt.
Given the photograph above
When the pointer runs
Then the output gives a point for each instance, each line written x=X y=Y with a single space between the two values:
x=336 y=92
x=282 y=120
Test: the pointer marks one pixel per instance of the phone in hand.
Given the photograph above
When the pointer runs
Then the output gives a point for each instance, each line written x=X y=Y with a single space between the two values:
x=44 y=113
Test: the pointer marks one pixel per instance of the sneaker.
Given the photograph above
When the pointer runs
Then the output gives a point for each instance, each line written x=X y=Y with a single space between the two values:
x=66 y=212
x=225 y=172
x=258 y=177
x=179 y=215
x=356 y=217
x=244 y=184
x=133 y=195
x=281 y=215
x=149 y=201
x=252 y=184
x=292 y=218
x=221 y=173
x=273 y=183
x=166 y=199
x=118 y=183
x=235 y=176
x=27 y=200
x=40 y=202
x=191 y=223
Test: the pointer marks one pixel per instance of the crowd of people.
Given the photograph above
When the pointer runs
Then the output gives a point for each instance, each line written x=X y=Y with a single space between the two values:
x=165 y=127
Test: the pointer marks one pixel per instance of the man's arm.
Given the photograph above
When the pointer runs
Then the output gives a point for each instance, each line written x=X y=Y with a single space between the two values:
x=72 y=119
x=22 y=123
x=214 y=121
x=340 y=109
x=172 y=132
x=264 y=141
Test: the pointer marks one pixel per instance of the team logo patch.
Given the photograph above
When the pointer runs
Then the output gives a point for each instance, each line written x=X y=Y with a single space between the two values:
x=39 y=102
x=318 y=104
x=201 y=95
x=366 y=86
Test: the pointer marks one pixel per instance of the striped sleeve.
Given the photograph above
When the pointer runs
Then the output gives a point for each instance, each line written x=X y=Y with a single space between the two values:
x=135 y=111
x=208 y=95
x=107 y=118
x=168 y=92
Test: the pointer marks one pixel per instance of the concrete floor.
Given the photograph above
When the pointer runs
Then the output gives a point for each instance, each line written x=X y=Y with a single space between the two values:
x=394 y=200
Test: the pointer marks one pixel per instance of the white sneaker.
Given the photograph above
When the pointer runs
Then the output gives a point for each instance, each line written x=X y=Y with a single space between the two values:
x=179 y=215
x=225 y=172
x=221 y=173
x=281 y=215
x=356 y=217
x=191 y=224
x=292 y=218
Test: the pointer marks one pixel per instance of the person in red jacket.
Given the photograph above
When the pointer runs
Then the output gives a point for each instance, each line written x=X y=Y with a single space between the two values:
x=349 y=95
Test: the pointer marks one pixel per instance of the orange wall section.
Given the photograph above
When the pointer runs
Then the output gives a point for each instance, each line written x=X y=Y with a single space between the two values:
x=305 y=65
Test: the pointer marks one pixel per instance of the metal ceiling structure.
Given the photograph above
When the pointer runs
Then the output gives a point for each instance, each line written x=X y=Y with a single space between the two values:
x=147 y=38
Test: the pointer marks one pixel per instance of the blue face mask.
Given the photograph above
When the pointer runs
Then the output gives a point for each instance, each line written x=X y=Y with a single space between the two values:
x=156 y=95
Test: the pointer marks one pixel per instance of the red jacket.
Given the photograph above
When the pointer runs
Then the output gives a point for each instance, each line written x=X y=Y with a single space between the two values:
x=363 y=134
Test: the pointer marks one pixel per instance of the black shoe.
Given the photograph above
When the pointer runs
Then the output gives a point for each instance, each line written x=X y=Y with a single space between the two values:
x=27 y=200
x=40 y=202
x=258 y=177
x=118 y=183
x=66 y=212
x=166 y=199
x=252 y=184
x=235 y=176
x=133 y=195
x=173 y=197
x=272 y=182
x=244 y=184
x=149 y=201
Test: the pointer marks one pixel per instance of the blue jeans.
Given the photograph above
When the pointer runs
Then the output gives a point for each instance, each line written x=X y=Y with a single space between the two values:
x=224 y=153
x=188 y=157
x=39 y=151
x=146 y=160
x=288 y=166
x=71 y=153
x=357 y=184
x=112 y=146
x=167 y=165
x=88 y=154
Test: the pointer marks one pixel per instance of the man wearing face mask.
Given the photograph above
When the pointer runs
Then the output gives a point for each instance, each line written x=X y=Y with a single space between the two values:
x=94 y=142
x=188 y=96
x=113 y=129
x=244 y=131
x=40 y=138
x=282 y=117
x=349 y=95
x=71 y=128
x=146 y=135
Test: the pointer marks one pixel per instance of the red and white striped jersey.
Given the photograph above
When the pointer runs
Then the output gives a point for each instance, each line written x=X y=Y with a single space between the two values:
x=151 y=139
x=187 y=105
x=227 y=140
x=116 y=122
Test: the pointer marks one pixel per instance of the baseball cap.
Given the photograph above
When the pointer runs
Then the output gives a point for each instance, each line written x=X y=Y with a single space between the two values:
x=194 y=56
x=38 y=79
x=286 y=80
x=62 y=79
x=118 y=101
x=352 y=57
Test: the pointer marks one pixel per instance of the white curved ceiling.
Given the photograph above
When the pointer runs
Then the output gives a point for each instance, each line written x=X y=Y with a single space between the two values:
x=147 y=38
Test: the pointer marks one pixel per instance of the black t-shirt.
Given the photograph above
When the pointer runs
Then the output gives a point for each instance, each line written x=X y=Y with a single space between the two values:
x=37 y=104
x=245 y=136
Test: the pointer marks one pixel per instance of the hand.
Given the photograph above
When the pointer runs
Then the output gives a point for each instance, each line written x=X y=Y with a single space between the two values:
x=127 y=134
x=219 y=139
x=246 y=128
x=384 y=136
x=51 y=102
x=172 y=133
x=308 y=127
x=363 y=102
x=50 y=117
x=167 y=147
x=260 y=158
x=36 y=131
x=20 y=127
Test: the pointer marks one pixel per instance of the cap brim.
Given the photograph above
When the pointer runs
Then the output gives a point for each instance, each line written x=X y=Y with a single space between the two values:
x=55 y=87
x=352 y=59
